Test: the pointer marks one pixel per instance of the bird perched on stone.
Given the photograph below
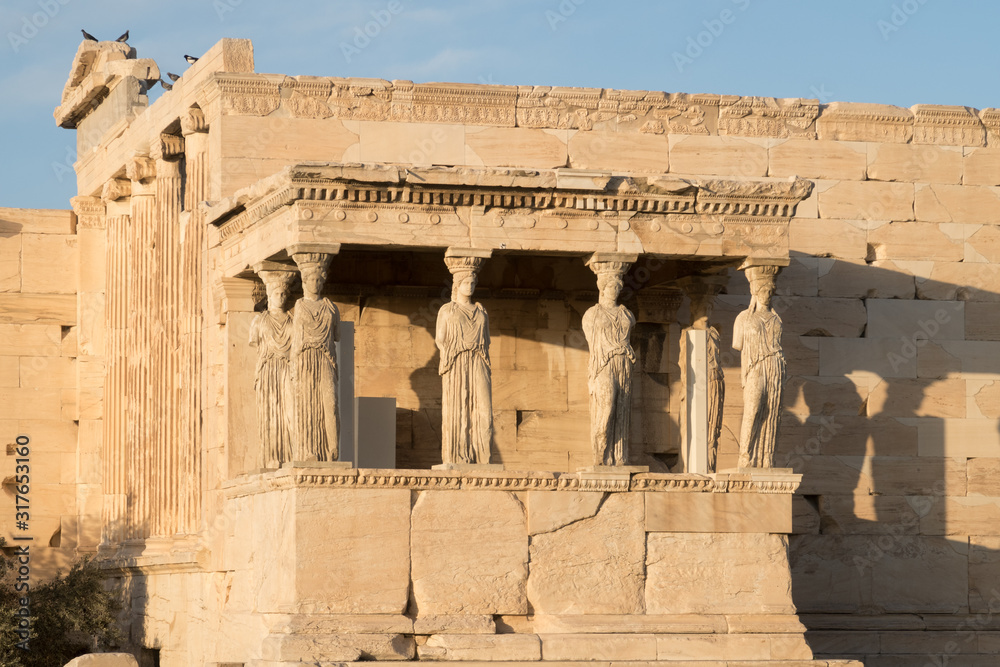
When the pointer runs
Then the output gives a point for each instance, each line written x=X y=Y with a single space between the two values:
x=191 y=59
x=88 y=36
x=166 y=86
x=123 y=38
x=173 y=77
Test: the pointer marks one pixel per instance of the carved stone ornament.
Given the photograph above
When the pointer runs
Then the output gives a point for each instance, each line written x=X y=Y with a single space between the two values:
x=463 y=337
x=315 y=331
x=757 y=334
x=271 y=334
x=608 y=327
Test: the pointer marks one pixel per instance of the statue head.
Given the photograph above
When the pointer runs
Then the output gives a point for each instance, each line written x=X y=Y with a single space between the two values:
x=313 y=268
x=464 y=277
x=278 y=285
x=609 y=284
x=465 y=286
x=762 y=291
x=761 y=285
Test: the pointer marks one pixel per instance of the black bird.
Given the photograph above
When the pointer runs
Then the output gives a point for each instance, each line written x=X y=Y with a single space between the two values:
x=166 y=86
x=173 y=77
x=191 y=59
x=88 y=36
x=123 y=38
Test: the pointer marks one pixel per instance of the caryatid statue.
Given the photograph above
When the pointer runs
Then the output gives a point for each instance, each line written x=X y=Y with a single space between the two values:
x=757 y=334
x=608 y=327
x=463 y=337
x=315 y=331
x=271 y=334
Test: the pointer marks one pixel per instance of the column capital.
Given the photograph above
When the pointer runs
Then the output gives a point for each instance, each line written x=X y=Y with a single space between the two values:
x=758 y=262
x=89 y=211
x=140 y=168
x=610 y=262
x=313 y=249
x=169 y=147
x=115 y=189
x=461 y=260
x=193 y=121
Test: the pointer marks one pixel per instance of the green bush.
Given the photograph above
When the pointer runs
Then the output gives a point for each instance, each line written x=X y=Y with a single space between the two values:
x=70 y=616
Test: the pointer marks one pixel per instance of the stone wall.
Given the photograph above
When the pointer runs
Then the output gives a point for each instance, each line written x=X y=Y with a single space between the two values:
x=39 y=395
x=503 y=566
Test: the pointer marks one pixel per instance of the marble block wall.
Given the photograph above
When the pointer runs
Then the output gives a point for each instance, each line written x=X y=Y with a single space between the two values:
x=40 y=358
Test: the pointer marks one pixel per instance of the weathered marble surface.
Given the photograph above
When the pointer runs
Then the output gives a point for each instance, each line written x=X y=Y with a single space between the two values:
x=757 y=335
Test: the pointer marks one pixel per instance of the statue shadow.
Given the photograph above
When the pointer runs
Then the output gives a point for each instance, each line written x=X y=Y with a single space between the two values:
x=890 y=519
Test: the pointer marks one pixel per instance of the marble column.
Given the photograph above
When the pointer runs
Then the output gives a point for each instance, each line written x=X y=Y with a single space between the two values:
x=114 y=451
x=141 y=171
x=193 y=248
x=701 y=376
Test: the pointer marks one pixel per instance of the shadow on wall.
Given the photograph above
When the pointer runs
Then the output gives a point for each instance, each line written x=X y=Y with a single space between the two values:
x=891 y=416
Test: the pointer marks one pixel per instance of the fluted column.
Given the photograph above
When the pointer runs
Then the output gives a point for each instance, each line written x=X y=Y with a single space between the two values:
x=114 y=452
x=193 y=251
x=167 y=411
x=140 y=431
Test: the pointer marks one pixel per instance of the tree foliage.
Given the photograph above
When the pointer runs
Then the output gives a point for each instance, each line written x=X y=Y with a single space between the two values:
x=71 y=615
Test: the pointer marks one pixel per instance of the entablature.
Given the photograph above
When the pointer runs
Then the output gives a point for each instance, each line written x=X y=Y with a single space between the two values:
x=543 y=211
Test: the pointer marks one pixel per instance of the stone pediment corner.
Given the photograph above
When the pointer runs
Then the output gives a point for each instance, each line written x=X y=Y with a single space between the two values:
x=97 y=68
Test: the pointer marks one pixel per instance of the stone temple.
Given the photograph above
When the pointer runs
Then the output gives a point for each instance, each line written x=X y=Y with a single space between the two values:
x=329 y=370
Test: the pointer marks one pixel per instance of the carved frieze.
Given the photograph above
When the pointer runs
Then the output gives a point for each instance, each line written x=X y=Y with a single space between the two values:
x=769 y=117
x=849 y=121
x=309 y=96
x=755 y=482
x=991 y=121
x=947 y=125
x=248 y=94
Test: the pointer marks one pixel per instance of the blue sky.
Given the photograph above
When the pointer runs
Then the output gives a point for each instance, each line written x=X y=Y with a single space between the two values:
x=901 y=52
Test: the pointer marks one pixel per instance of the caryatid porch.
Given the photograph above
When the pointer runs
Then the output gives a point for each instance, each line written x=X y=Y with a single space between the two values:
x=686 y=234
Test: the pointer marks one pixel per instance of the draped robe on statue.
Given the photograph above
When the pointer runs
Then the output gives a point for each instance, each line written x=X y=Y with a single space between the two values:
x=716 y=395
x=315 y=329
x=758 y=334
x=271 y=334
x=463 y=336
x=610 y=379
